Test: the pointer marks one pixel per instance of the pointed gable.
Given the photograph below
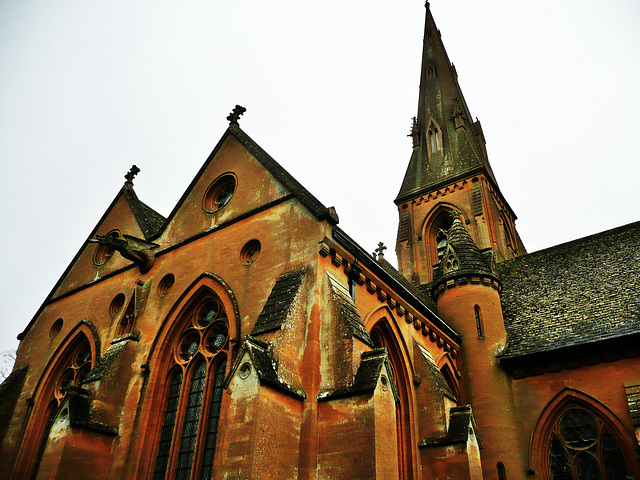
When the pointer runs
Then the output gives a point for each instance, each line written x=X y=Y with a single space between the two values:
x=246 y=179
x=126 y=216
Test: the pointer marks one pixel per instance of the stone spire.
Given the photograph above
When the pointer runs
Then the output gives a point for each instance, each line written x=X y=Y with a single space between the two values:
x=447 y=143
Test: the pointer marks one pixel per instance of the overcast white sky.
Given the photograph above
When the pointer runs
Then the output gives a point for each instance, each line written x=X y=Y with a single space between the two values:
x=89 y=88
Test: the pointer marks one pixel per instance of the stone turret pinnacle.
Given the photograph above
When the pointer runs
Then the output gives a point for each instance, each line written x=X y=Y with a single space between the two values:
x=447 y=143
x=461 y=257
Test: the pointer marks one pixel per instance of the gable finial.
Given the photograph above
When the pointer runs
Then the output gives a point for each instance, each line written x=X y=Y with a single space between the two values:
x=380 y=250
x=234 y=116
x=133 y=171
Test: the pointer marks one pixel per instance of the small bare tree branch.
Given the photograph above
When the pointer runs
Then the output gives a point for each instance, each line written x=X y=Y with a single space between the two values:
x=7 y=360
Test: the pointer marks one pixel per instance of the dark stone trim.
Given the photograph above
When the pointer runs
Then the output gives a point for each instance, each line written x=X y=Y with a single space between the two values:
x=366 y=260
x=572 y=356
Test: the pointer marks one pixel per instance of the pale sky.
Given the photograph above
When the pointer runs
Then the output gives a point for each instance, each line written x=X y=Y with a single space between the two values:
x=89 y=88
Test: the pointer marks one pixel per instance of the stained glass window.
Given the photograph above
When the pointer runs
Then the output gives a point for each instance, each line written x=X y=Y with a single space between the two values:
x=187 y=439
x=582 y=447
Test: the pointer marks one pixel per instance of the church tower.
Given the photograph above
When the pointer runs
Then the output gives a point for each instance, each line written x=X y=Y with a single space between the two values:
x=448 y=175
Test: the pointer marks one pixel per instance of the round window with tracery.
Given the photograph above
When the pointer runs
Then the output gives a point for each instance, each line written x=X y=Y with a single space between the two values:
x=219 y=194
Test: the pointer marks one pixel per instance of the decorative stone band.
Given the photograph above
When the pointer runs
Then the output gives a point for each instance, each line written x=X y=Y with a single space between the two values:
x=485 y=280
x=402 y=310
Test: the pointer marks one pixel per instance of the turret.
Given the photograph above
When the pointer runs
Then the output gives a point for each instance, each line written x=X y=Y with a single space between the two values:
x=467 y=292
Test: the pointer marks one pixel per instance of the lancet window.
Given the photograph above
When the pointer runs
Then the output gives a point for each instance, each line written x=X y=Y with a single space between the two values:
x=193 y=396
x=434 y=137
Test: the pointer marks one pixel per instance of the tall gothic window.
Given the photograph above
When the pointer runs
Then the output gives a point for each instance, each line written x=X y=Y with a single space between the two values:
x=581 y=447
x=193 y=395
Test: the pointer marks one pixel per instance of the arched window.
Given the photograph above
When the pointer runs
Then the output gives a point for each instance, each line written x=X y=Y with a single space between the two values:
x=383 y=337
x=193 y=394
x=582 y=446
x=442 y=240
x=434 y=137
x=502 y=472
x=72 y=368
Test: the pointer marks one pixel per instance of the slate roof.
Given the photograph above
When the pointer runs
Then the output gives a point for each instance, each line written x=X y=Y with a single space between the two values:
x=460 y=421
x=435 y=373
x=150 y=221
x=366 y=378
x=266 y=367
x=275 y=310
x=577 y=293
x=347 y=311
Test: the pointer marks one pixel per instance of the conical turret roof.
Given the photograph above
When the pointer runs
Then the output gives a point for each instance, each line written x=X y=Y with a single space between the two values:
x=461 y=257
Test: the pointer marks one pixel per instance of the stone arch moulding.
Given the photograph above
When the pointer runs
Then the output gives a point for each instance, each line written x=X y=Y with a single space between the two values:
x=446 y=362
x=86 y=328
x=438 y=211
x=206 y=281
x=41 y=398
x=383 y=320
x=537 y=446
x=383 y=313
x=160 y=358
x=429 y=228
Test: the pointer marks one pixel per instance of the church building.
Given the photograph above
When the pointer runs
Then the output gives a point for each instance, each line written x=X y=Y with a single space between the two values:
x=247 y=336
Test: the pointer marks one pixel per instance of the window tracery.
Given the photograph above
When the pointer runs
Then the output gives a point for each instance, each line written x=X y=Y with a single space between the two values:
x=193 y=399
x=582 y=446
x=75 y=364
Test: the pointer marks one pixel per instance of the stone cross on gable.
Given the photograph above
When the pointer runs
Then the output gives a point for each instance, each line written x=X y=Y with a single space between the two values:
x=133 y=171
x=234 y=116
x=380 y=250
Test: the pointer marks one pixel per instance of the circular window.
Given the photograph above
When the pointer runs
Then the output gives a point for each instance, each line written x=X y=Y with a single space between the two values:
x=219 y=193
x=217 y=338
x=116 y=304
x=65 y=382
x=385 y=383
x=165 y=285
x=189 y=346
x=207 y=313
x=55 y=328
x=103 y=253
x=83 y=356
x=250 y=252
x=244 y=371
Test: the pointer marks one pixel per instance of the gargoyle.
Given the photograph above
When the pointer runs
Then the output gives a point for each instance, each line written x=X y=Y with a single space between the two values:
x=144 y=258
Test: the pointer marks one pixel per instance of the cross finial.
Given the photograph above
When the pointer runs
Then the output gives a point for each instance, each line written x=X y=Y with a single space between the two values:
x=133 y=171
x=234 y=116
x=380 y=250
